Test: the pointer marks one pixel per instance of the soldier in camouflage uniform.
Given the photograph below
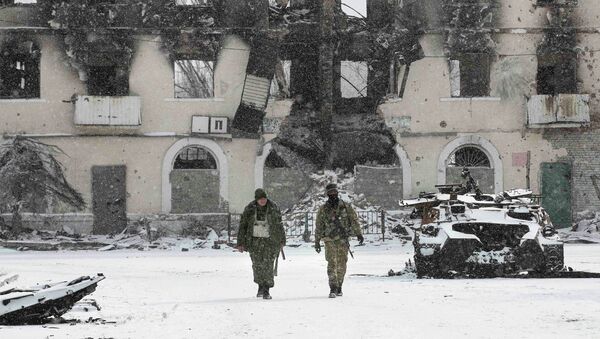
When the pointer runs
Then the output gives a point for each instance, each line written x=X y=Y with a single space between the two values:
x=261 y=233
x=336 y=222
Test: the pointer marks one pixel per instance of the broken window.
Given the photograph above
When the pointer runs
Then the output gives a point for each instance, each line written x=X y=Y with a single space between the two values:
x=101 y=2
x=195 y=158
x=557 y=74
x=356 y=8
x=555 y=2
x=398 y=79
x=19 y=70
x=193 y=2
x=280 y=85
x=195 y=182
x=16 y=2
x=280 y=3
x=470 y=75
x=107 y=81
x=353 y=82
x=194 y=79
x=469 y=156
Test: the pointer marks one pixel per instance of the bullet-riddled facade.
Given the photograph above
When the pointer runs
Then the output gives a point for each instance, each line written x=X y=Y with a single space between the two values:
x=501 y=108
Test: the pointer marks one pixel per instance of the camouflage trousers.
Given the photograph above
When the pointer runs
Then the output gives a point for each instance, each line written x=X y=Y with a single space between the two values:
x=263 y=254
x=336 y=254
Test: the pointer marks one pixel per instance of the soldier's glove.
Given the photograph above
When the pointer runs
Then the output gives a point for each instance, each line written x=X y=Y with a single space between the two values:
x=318 y=247
x=360 y=238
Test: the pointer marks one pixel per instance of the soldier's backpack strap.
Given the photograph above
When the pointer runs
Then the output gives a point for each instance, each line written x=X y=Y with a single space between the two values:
x=348 y=220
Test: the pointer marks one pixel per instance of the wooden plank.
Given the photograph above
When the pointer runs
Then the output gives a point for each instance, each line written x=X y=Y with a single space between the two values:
x=92 y=110
x=541 y=109
x=573 y=108
x=109 y=199
x=256 y=91
x=125 y=111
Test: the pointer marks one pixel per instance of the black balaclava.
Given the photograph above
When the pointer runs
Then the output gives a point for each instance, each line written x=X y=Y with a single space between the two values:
x=333 y=199
x=332 y=194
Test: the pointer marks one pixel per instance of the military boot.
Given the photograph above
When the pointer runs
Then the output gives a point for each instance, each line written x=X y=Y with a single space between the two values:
x=266 y=294
x=261 y=292
x=332 y=291
x=339 y=292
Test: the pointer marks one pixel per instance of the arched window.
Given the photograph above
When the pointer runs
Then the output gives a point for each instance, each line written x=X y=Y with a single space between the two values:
x=195 y=157
x=469 y=156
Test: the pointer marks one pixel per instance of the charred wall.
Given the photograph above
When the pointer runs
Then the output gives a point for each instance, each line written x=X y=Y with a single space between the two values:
x=354 y=134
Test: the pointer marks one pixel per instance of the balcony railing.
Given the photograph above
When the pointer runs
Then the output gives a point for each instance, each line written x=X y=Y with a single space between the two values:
x=109 y=111
x=558 y=111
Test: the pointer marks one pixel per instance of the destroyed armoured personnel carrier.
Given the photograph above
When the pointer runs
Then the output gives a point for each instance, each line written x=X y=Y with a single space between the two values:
x=41 y=303
x=483 y=235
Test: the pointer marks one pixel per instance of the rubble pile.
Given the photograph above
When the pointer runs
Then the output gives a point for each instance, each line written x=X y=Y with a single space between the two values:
x=294 y=219
x=138 y=236
x=357 y=139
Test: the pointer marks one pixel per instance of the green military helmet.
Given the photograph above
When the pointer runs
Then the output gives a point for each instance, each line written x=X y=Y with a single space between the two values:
x=259 y=194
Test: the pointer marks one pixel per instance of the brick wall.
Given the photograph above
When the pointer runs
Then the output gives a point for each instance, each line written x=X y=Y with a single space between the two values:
x=584 y=154
x=285 y=185
x=381 y=185
x=195 y=191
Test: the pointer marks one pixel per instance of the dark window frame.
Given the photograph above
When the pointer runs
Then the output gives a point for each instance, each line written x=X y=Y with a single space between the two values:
x=475 y=77
x=188 y=58
x=15 y=69
x=189 y=158
x=99 y=81
x=13 y=3
x=208 y=3
x=556 y=74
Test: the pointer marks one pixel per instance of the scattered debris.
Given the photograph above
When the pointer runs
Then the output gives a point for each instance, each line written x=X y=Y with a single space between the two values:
x=43 y=303
x=86 y=305
x=409 y=271
x=585 y=231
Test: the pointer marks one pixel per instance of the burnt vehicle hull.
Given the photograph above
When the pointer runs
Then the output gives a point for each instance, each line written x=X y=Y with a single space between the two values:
x=485 y=242
x=453 y=260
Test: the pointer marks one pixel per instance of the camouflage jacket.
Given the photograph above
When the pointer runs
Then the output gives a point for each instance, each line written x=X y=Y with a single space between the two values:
x=277 y=233
x=336 y=223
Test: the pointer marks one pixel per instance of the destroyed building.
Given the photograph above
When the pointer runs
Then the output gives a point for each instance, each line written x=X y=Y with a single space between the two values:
x=183 y=107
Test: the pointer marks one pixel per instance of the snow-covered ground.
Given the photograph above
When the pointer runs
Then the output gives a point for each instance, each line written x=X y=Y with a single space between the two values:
x=209 y=294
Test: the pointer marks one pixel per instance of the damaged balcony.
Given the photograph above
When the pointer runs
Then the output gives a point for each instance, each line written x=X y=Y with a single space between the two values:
x=14 y=14
x=108 y=110
x=558 y=111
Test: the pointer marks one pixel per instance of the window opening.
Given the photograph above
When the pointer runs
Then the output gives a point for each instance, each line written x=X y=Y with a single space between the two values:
x=194 y=79
x=194 y=157
x=354 y=79
x=107 y=81
x=280 y=85
x=469 y=157
x=19 y=70
x=470 y=75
